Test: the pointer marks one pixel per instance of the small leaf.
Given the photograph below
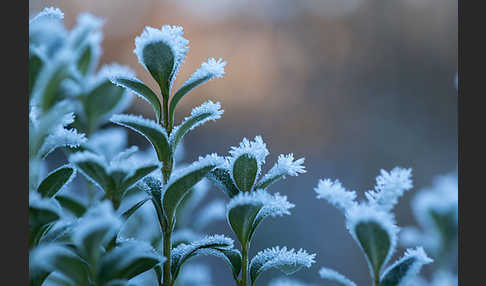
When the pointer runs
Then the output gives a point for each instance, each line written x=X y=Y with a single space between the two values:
x=222 y=178
x=287 y=261
x=93 y=167
x=150 y=130
x=140 y=89
x=126 y=214
x=241 y=218
x=207 y=71
x=183 y=252
x=159 y=60
x=199 y=115
x=51 y=257
x=284 y=166
x=375 y=242
x=182 y=181
x=245 y=169
x=56 y=180
x=128 y=260
x=137 y=175
x=336 y=277
x=405 y=268
x=71 y=204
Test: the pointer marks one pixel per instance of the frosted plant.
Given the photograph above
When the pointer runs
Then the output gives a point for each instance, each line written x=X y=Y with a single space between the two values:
x=372 y=225
x=250 y=203
x=436 y=210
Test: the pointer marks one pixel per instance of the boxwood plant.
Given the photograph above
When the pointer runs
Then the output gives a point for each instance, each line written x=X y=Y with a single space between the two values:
x=130 y=218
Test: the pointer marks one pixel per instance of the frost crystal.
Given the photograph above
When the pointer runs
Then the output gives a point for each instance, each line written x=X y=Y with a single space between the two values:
x=211 y=69
x=171 y=36
x=285 y=166
x=419 y=257
x=276 y=257
x=256 y=149
x=48 y=13
x=332 y=275
x=272 y=205
x=335 y=194
x=208 y=160
x=219 y=241
x=389 y=187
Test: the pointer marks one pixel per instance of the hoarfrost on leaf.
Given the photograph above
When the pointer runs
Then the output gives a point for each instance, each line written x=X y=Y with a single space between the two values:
x=335 y=194
x=389 y=187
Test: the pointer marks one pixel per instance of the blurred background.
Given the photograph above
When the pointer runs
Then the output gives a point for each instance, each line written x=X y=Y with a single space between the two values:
x=351 y=85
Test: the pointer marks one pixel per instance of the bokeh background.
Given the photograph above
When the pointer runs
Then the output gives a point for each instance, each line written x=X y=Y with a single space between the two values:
x=351 y=85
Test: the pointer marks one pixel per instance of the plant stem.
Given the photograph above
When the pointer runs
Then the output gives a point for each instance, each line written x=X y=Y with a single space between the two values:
x=244 y=263
x=167 y=253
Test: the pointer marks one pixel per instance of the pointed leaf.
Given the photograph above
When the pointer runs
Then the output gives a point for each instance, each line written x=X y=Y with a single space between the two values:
x=182 y=181
x=222 y=178
x=183 y=252
x=150 y=130
x=126 y=214
x=159 y=60
x=284 y=166
x=207 y=71
x=71 y=204
x=406 y=268
x=199 y=115
x=128 y=260
x=241 y=216
x=56 y=180
x=140 y=89
x=139 y=173
x=93 y=167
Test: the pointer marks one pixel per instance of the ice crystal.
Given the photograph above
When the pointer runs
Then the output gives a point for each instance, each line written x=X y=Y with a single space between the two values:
x=419 y=257
x=281 y=257
x=389 y=187
x=335 y=194
x=211 y=69
x=272 y=205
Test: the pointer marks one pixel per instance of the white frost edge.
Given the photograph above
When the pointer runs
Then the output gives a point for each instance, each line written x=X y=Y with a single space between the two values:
x=275 y=256
x=48 y=13
x=335 y=194
x=272 y=205
x=421 y=259
x=211 y=69
x=137 y=119
x=389 y=187
x=326 y=273
x=285 y=166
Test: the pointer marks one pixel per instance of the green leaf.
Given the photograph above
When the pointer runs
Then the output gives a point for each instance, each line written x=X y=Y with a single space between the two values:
x=127 y=261
x=180 y=184
x=150 y=130
x=139 y=173
x=85 y=61
x=140 y=89
x=222 y=179
x=183 y=91
x=35 y=65
x=199 y=115
x=405 y=268
x=126 y=214
x=375 y=242
x=100 y=101
x=231 y=256
x=183 y=252
x=242 y=218
x=71 y=204
x=56 y=180
x=42 y=214
x=245 y=169
x=93 y=168
x=56 y=257
x=159 y=60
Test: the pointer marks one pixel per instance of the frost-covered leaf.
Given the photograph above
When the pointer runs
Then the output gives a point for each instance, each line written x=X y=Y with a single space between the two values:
x=335 y=194
x=155 y=133
x=47 y=32
x=42 y=210
x=90 y=54
x=139 y=88
x=96 y=228
x=62 y=137
x=246 y=210
x=183 y=252
x=45 y=90
x=375 y=232
x=183 y=180
x=55 y=180
x=161 y=52
x=208 y=70
x=405 y=268
x=137 y=175
x=127 y=260
x=93 y=167
x=50 y=257
x=335 y=276
x=199 y=115
x=71 y=204
x=126 y=214
x=389 y=187
x=287 y=261
x=222 y=178
x=246 y=161
x=285 y=166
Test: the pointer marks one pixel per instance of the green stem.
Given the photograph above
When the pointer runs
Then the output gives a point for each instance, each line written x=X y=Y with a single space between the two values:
x=167 y=252
x=244 y=263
